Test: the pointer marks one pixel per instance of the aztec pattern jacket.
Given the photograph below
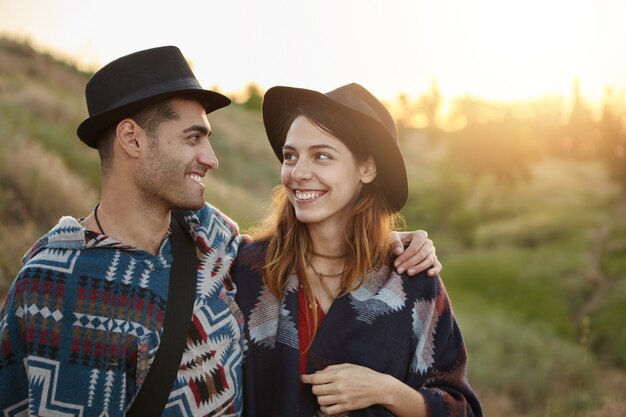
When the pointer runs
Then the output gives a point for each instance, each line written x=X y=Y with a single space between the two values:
x=395 y=324
x=83 y=319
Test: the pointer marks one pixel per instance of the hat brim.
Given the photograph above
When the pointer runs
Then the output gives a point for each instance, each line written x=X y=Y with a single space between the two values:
x=93 y=127
x=391 y=171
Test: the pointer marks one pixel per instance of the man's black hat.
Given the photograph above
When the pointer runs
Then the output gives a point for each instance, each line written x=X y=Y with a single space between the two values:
x=124 y=86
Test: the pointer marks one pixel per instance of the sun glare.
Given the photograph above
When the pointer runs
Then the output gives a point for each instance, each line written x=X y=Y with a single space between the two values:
x=494 y=49
x=510 y=50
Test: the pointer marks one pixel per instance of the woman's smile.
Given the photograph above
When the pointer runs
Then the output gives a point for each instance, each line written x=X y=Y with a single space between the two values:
x=302 y=195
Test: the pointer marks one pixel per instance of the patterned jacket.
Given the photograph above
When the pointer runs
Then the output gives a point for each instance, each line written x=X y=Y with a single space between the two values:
x=395 y=324
x=83 y=320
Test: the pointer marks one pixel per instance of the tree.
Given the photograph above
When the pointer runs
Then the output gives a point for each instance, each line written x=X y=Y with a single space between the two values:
x=612 y=143
x=254 y=97
x=430 y=105
x=581 y=133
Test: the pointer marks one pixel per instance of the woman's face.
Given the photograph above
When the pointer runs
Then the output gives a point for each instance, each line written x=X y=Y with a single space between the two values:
x=321 y=176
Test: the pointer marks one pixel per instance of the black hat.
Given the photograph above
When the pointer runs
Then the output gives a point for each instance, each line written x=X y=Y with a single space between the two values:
x=376 y=128
x=125 y=85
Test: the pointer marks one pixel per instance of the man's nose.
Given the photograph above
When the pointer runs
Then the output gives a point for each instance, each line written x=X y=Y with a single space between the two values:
x=208 y=158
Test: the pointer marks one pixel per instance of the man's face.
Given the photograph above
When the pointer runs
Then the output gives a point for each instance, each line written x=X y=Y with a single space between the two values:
x=178 y=158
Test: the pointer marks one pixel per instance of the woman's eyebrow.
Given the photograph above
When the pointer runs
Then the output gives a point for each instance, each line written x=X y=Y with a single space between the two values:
x=324 y=146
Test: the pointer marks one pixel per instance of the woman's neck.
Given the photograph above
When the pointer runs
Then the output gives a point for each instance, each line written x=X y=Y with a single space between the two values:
x=329 y=241
x=326 y=262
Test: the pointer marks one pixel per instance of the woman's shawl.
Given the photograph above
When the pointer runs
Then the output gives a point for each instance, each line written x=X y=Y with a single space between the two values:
x=395 y=324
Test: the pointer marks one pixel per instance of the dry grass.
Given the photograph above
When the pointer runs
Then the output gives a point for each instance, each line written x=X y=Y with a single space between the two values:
x=36 y=189
x=21 y=60
x=42 y=102
x=41 y=183
x=15 y=239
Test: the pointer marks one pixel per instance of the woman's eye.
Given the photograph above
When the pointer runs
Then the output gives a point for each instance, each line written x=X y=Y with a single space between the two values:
x=289 y=157
x=323 y=156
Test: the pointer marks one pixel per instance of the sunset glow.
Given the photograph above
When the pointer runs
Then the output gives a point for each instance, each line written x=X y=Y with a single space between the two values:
x=501 y=50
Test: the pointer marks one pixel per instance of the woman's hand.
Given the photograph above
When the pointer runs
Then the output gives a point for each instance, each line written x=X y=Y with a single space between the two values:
x=344 y=387
x=347 y=387
x=419 y=255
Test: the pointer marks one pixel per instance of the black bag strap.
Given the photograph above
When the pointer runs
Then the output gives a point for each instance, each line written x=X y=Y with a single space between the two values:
x=157 y=386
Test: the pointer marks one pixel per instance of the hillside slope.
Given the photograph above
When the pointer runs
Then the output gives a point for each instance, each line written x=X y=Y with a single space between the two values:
x=46 y=172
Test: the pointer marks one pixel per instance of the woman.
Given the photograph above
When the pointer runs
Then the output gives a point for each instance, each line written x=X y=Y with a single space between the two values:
x=330 y=327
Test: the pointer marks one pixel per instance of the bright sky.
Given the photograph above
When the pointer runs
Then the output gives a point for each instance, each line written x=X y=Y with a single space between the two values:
x=495 y=49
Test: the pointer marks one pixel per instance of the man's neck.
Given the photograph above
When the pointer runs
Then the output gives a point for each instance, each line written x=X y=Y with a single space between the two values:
x=130 y=221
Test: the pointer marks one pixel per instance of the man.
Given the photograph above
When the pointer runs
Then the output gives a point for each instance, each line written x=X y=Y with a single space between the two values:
x=83 y=320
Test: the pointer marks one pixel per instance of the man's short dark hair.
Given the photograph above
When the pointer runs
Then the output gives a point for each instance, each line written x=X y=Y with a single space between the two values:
x=149 y=118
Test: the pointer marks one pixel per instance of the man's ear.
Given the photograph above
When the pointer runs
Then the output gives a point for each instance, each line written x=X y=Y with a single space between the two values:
x=130 y=137
x=368 y=170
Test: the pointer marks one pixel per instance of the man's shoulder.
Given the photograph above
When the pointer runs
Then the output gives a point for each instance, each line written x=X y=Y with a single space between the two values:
x=68 y=234
x=212 y=231
x=209 y=217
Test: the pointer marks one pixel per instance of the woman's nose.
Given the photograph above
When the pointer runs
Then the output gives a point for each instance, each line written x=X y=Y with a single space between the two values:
x=302 y=170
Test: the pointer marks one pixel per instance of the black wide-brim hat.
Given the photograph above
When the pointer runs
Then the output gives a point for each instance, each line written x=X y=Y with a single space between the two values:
x=375 y=126
x=125 y=85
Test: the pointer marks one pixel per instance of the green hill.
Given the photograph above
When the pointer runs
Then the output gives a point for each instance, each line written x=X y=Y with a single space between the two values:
x=535 y=264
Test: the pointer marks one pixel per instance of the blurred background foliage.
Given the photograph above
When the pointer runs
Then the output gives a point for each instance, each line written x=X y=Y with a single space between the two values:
x=525 y=202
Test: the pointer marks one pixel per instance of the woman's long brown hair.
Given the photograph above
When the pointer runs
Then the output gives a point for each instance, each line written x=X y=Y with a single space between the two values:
x=366 y=235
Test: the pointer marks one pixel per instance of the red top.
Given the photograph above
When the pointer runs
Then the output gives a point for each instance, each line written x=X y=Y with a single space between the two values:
x=305 y=326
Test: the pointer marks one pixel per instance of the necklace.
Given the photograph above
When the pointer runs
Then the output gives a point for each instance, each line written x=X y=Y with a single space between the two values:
x=321 y=283
x=95 y=215
x=321 y=255
x=321 y=275
x=320 y=278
